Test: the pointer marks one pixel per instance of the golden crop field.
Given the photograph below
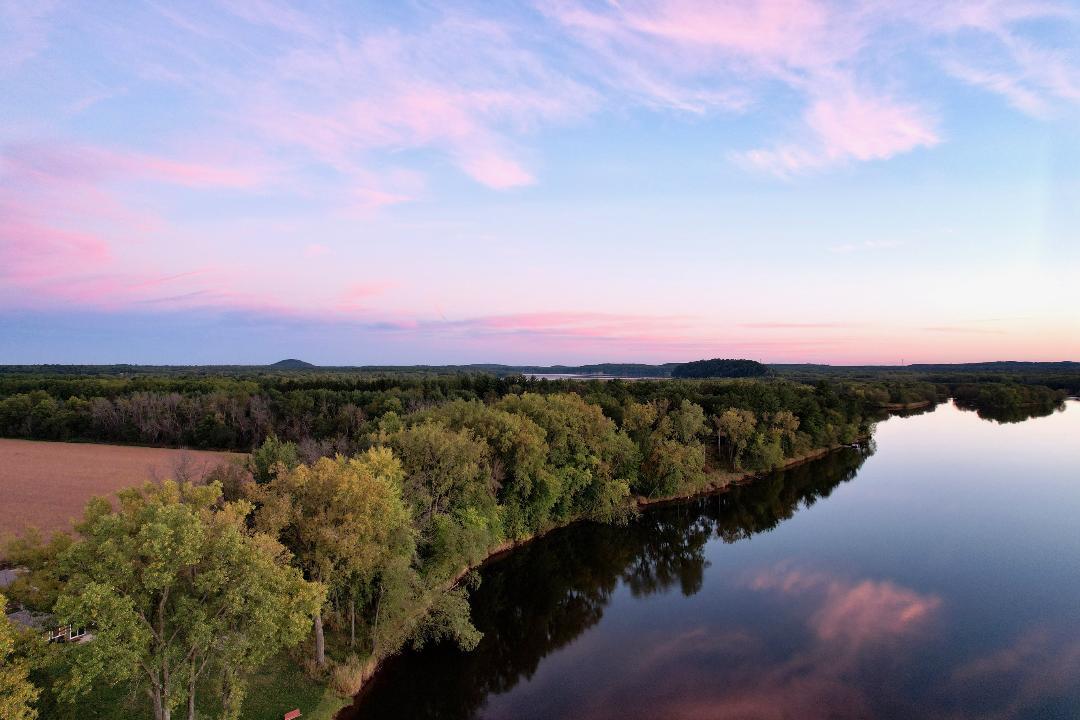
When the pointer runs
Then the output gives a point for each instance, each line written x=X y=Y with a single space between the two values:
x=47 y=484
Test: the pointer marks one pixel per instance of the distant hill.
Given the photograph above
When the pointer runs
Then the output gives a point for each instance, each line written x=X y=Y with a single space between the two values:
x=292 y=364
x=720 y=368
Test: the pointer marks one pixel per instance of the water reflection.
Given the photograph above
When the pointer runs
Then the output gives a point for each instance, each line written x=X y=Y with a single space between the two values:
x=941 y=584
x=1013 y=413
x=543 y=596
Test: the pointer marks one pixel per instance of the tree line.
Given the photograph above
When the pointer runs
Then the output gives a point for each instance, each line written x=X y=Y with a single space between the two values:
x=341 y=543
x=326 y=412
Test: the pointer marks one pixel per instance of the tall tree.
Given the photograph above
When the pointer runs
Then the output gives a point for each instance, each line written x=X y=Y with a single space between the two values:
x=735 y=428
x=17 y=693
x=173 y=583
x=343 y=519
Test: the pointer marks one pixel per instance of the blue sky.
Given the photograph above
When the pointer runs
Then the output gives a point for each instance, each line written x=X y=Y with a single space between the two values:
x=788 y=180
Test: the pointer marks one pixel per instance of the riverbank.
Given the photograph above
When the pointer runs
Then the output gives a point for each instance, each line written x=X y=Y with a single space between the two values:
x=719 y=482
x=917 y=405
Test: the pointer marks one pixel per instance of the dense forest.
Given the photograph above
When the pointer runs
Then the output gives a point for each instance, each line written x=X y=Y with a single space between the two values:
x=328 y=412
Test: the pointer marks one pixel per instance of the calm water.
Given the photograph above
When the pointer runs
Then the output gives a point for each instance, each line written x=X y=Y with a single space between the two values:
x=936 y=577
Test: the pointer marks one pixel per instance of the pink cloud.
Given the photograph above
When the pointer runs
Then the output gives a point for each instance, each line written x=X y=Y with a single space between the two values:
x=726 y=672
x=864 y=128
x=495 y=170
x=868 y=610
x=67 y=232
x=30 y=252
x=368 y=200
x=356 y=296
x=349 y=100
x=853 y=613
x=94 y=165
x=724 y=55
x=848 y=127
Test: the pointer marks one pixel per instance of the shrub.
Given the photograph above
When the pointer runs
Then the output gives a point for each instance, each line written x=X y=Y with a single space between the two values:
x=348 y=677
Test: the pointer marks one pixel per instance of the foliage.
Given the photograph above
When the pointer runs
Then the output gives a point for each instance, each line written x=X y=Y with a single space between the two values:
x=38 y=588
x=17 y=693
x=718 y=368
x=267 y=459
x=344 y=520
x=176 y=588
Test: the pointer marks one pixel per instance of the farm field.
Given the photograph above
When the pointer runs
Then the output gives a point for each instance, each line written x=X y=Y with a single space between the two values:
x=47 y=484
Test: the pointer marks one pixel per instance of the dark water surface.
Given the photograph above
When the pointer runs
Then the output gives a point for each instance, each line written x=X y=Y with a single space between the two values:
x=938 y=577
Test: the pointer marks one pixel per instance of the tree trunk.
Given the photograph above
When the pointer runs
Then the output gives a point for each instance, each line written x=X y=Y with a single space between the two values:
x=155 y=699
x=320 y=641
x=191 y=693
x=352 y=621
x=375 y=627
x=166 y=708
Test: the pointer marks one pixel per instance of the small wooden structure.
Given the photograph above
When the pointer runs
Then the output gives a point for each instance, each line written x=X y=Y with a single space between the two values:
x=292 y=714
x=67 y=633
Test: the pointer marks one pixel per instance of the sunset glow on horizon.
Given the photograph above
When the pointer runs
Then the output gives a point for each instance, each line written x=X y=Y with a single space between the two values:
x=536 y=182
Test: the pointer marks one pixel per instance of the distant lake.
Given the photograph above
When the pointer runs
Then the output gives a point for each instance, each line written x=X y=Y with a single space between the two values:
x=935 y=575
x=580 y=376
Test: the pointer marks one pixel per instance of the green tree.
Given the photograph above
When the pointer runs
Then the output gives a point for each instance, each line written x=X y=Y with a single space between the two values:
x=592 y=461
x=39 y=587
x=173 y=584
x=17 y=693
x=734 y=429
x=342 y=518
x=525 y=486
x=444 y=468
x=673 y=459
x=266 y=458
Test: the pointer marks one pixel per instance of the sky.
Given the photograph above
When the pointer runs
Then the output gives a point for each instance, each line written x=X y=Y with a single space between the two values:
x=534 y=182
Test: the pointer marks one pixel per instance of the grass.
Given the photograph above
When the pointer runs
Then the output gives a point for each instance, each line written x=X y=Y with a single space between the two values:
x=278 y=687
x=282 y=686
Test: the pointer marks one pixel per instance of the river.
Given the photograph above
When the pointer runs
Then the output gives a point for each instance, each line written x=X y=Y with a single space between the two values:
x=933 y=575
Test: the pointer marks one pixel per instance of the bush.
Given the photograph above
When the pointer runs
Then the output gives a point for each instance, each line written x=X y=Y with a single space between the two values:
x=348 y=677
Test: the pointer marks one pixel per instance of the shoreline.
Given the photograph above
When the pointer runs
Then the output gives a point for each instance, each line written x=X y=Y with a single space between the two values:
x=721 y=482
x=906 y=406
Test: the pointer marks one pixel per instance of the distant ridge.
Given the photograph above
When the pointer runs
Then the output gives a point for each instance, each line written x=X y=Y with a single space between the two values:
x=292 y=364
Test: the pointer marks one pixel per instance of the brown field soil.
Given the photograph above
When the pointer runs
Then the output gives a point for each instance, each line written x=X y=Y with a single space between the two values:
x=47 y=484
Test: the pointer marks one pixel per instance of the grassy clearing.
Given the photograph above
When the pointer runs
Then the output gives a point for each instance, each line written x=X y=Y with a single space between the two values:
x=282 y=686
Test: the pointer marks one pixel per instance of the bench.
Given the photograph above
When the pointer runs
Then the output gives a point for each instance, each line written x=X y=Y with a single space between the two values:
x=292 y=714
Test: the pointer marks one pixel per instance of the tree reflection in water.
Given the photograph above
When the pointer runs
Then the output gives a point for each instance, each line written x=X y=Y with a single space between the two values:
x=1014 y=413
x=540 y=597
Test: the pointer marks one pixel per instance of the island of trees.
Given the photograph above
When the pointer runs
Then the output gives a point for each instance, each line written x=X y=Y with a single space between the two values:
x=717 y=368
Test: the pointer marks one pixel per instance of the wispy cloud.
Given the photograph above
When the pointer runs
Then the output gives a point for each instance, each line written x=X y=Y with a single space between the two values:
x=461 y=87
x=24 y=31
x=729 y=56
